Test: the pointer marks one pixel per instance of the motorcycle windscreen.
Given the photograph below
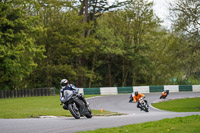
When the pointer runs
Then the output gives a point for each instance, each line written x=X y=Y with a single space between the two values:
x=141 y=100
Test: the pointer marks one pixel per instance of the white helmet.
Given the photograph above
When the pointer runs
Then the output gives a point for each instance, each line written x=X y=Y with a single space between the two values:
x=64 y=82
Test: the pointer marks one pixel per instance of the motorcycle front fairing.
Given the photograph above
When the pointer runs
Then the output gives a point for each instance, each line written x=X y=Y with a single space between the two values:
x=65 y=95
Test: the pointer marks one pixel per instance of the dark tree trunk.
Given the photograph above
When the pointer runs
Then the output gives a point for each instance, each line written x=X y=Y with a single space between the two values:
x=109 y=75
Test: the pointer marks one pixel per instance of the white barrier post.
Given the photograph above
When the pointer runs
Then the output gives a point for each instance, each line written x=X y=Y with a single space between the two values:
x=171 y=88
x=141 y=89
x=81 y=90
x=196 y=88
x=108 y=90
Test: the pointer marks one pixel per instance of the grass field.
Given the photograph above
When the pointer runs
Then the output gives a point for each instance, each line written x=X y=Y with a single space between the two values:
x=28 y=107
x=189 y=124
x=180 y=105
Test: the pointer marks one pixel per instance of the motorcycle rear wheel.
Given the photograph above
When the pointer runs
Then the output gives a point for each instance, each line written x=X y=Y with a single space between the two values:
x=89 y=114
x=146 y=110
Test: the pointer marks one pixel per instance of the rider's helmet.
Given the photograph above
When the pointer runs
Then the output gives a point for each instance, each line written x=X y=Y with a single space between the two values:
x=166 y=91
x=136 y=93
x=64 y=82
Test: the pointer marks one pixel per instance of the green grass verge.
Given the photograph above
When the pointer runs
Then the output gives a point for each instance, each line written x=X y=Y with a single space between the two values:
x=38 y=106
x=180 y=105
x=189 y=124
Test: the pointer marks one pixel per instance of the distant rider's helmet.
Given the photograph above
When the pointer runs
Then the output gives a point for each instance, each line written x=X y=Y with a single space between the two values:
x=165 y=91
x=64 y=82
x=136 y=93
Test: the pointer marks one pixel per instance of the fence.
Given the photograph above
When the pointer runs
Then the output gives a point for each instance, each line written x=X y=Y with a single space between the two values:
x=101 y=90
x=27 y=92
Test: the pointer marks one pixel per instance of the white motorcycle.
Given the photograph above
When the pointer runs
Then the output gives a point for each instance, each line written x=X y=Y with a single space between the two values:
x=143 y=104
x=72 y=102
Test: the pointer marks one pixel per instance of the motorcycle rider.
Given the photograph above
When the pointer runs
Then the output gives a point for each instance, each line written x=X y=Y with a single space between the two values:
x=131 y=97
x=66 y=86
x=136 y=98
x=165 y=93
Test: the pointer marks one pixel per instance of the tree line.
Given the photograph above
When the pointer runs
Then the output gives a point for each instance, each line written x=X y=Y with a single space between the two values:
x=94 y=44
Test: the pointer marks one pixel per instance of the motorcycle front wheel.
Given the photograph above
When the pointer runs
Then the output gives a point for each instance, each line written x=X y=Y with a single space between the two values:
x=74 y=111
x=146 y=109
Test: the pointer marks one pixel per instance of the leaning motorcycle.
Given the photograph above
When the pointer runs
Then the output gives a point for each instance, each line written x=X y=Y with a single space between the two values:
x=143 y=104
x=164 y=95
x=74 y=104
x=131 y=98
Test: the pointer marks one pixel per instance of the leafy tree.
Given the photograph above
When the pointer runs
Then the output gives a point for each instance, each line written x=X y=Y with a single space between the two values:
x=111 y=43
x=123 y=37
x=140 y=22
x=64 y=45
x=91 y=11
x=17 y=49
x=186 y=24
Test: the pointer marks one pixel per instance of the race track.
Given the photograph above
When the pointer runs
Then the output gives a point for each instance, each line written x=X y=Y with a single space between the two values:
x=114 y=103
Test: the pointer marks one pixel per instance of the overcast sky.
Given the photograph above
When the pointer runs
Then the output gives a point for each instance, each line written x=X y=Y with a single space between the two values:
x=160 y=9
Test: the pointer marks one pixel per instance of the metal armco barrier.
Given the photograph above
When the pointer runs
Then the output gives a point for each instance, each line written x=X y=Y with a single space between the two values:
x=101 y=90
x=27 y=92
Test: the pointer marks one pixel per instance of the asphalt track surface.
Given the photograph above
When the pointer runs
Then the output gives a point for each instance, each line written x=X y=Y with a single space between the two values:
x=115 y=103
